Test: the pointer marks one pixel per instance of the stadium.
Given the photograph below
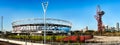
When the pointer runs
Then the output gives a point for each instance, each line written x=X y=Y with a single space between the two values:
x=36 y=25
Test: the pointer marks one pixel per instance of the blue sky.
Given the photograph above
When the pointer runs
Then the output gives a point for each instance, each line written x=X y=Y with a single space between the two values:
x=79 y=12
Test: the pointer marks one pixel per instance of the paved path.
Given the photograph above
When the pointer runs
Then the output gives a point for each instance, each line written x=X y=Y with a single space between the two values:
x=21 y=42
x=106 y=38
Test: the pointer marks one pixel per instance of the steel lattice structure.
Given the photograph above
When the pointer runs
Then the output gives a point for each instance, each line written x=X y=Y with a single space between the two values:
x=98 y=17
x=36 y=24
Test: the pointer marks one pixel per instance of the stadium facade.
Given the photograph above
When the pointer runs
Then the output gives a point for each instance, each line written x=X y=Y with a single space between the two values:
x=36 y=25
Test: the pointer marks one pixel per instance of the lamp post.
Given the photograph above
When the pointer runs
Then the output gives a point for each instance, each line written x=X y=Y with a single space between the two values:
x=2 y=27
x=44 y=5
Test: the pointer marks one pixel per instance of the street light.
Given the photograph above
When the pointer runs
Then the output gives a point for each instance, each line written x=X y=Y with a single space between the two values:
x=44 y=5
x=2 y=27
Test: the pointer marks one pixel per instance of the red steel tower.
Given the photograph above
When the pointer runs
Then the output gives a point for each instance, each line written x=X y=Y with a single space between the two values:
x=98 y=17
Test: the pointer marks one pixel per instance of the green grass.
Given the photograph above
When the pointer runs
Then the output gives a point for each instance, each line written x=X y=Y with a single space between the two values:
x=36 y=38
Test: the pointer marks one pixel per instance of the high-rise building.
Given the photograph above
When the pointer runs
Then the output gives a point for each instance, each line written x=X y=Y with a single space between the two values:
x=112 y=28
x=117 y=26
x=106 y=27
x=86 y=28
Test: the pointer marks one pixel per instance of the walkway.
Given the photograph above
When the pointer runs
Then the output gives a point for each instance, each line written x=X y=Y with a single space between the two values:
x=21 y=42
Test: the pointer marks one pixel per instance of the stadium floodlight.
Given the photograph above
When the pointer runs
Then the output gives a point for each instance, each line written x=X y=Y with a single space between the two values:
x=44 y=5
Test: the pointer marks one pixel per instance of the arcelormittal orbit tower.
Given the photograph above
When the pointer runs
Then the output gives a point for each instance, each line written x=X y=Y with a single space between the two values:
x=98 y=17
